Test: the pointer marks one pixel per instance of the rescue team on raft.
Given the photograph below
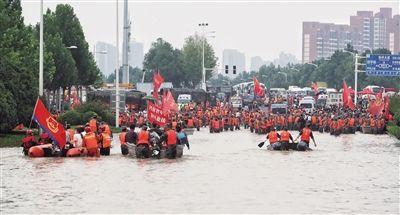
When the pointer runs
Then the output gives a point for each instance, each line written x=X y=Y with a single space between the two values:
x=95 y=139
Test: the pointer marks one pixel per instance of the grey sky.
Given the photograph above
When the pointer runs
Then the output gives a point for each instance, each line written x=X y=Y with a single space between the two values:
x=253 y=27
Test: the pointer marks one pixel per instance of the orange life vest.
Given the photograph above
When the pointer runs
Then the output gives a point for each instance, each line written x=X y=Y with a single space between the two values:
x=143 y=137
x=273 y=137
x=171 y=137
x=305 y=135
x=122 y=138
x=190 y=123
x=351 y=122
x=285 y=136
x=93 y=125
x=90 y=141
x=71 y=133
x=106 y=142
x=107 y=129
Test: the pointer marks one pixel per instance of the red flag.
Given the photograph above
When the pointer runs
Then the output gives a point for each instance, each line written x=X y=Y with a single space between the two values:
x=258 y=90
x=157 y=81
x=156 y=114
x=169 y=104
x=347 y=100
x=46 y=121
x=387 y=112
x=315 y=87
x=376 y=107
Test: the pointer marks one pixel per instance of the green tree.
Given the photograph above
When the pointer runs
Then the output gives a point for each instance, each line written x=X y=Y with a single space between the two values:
x=71 y=33
x=192 y=52
x=163 y=57
x=18 y=66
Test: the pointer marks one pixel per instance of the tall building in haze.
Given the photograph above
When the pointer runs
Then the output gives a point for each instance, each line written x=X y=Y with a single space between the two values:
x=105 y=56
x=233 y=62
x=136 y=56
x=366 y=31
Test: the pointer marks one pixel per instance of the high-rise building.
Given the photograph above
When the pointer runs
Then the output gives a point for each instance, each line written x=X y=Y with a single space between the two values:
x=233 y=62
x=256 y=63
x=321 y=40
x=366 y=31
x=284 y=59
x=136 y=56
x=105 y=56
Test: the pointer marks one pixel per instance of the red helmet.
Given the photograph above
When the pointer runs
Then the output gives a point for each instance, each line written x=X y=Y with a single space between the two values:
x=87 y=129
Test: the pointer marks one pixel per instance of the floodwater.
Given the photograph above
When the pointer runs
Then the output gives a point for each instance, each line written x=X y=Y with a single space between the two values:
x=221 y=173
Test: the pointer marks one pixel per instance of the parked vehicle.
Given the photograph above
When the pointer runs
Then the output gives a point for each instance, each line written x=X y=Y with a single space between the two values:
x=279 y=108
x=334 y=98
x=308 y=104
x=184 y=99
x=237 y=102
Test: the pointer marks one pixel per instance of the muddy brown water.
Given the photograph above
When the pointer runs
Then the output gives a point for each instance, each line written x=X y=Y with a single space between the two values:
x=221 y=173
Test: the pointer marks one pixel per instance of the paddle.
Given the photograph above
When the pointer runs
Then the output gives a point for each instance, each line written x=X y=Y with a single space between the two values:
x=261 y=144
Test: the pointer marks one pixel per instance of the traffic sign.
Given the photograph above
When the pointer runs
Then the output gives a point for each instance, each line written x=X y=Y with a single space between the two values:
x=383 y=65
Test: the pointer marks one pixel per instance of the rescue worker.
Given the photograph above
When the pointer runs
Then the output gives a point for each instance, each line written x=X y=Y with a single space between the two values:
x=90 y=142
x=273 y=137
x=122 y=140
x=105 y=141
x=131 y=136
x=305 y=135
x=94 y=124
x=171 y=139
x=28 y=141
x=284 y=139
x=143 y=143
x=182 y=136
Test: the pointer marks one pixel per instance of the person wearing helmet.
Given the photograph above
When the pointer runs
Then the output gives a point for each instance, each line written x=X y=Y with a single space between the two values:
x=273 y=137
x=143 y=143
x=305 y=134
x=90 y=142
x=28 y=141
x=94 y=124
x=105 y=141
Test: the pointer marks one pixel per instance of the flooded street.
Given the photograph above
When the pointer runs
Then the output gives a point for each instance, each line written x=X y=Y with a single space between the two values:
x=221 y=173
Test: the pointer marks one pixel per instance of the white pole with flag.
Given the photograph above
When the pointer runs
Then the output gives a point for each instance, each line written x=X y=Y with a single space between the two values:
x=41 y=51
x=117 y=74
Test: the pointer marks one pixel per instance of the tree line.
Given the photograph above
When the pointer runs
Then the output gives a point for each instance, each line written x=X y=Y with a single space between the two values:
x=182 y=67
x=19 y=61
x=339 y=67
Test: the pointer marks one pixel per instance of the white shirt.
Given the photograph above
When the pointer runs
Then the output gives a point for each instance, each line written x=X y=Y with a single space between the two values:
x=77 y=140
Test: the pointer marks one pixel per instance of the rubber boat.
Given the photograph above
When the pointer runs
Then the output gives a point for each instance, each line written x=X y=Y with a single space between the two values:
x=77 y=152
x=45 y=150
x=300 y=146
x=156 y=153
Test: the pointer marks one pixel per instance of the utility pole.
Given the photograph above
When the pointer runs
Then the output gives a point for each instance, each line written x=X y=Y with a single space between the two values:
x=125 y=46
x=117 y=73
x=41 y=51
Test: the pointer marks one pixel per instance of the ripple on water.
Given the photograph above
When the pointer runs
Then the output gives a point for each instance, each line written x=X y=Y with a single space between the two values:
x=222 y=173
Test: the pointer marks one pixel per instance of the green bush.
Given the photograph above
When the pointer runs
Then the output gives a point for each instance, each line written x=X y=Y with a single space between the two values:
x=71 y=117
x=394 y=130
x=94 y=106
x=109 y=118
x=88 y=115
x=394 y=105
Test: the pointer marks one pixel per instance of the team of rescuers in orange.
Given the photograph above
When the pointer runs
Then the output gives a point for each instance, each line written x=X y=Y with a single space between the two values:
x=97 y=137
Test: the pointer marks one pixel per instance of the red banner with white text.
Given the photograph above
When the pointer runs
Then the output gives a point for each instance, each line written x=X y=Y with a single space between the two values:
x=155 y=114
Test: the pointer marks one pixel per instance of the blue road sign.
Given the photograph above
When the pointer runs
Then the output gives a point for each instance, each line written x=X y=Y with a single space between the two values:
x=383 y=65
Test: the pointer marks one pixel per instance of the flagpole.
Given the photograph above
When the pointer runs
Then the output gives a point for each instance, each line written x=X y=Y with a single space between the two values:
x=34 y=109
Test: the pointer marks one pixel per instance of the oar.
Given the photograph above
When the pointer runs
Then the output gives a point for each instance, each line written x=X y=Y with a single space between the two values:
x=261 y=144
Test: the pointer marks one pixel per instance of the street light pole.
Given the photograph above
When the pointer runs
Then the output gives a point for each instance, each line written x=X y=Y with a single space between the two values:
x=285 y=74
x=117 y=74
x=41 y=51
x=355 y=77
x=203 y=81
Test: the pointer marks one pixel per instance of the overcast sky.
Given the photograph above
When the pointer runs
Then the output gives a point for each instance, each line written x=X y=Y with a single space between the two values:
x=257 y=28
